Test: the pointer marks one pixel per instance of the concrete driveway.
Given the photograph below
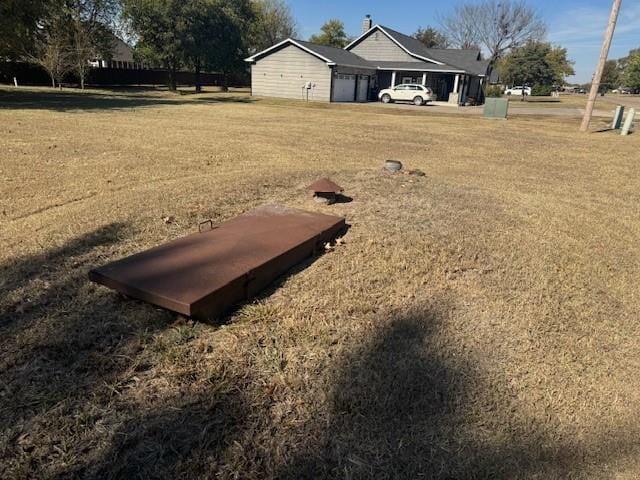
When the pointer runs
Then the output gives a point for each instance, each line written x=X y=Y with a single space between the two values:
x=537 y=110
x=626 y=100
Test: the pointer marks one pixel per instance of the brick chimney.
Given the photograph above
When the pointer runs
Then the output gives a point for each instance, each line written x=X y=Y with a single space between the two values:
x=367 y=23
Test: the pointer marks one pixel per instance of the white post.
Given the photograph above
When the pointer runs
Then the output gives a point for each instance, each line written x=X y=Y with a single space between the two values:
x=424 y=79
x=628 y=122
x=15 y=82
x=456 y=83
x=617 y=117
x=393 y=79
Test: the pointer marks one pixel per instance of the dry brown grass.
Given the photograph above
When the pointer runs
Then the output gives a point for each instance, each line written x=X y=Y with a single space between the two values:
x=479 y=322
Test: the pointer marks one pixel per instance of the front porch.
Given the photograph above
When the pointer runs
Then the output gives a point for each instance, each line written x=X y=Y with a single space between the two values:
x=450 y=87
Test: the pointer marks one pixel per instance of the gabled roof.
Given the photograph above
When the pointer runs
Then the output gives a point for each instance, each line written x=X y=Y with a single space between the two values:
x=330 y=55
x=410 y=45
x=338 y=56
x=462 y=59
x=426 y=59
x=469 y=60
x=121 y=51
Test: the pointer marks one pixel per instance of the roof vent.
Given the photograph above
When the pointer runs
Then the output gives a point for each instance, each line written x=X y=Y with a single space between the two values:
x=367 y=24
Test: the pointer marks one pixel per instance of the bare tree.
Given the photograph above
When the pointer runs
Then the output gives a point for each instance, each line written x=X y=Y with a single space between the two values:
x=460 y=26
x=498 y=26
x=83 y=49
x=89 y=32
x=51 y=50
x=273 y=23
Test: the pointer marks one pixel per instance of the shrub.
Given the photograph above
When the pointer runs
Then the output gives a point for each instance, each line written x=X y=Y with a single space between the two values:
x=541 y=90
x=493 y=91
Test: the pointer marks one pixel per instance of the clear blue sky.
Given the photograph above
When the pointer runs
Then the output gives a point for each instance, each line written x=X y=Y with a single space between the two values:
x=577 y=25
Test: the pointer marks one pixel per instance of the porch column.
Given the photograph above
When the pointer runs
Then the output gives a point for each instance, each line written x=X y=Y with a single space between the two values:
x=456 y=83
x=424 y=79
x=393 y=79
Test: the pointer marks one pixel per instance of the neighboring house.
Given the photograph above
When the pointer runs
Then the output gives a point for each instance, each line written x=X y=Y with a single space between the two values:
x=379 y=58
x=121 y=57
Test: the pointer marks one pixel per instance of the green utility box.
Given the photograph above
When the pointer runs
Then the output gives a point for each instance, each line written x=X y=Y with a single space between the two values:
x=496 y=107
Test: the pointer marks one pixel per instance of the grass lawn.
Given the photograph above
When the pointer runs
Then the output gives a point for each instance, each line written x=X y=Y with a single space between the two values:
x=478 y=322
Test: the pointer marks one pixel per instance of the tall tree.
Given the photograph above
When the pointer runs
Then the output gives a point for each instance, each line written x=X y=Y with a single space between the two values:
x=536 y=63
x=632 y=71
x=273 y=23
x=610 y=76
x=90 y=32
x=460 y=26
x=202 y=35
x=50 y=47
x=496 y=25
x=234 y=35
x=332 y=34
x=19 y=26
x=624 y=61
x=561 y=65
x=160 y=26
x=431 y=37
x=210 y=34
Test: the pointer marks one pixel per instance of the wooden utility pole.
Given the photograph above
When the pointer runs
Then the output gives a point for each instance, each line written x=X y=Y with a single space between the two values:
x=595 y=84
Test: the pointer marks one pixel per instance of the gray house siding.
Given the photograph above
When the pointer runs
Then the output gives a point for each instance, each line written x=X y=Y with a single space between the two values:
x=377 y=46
x=285 y=72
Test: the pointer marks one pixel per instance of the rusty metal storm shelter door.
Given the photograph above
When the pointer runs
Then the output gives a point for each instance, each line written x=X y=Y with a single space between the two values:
x=204 y=274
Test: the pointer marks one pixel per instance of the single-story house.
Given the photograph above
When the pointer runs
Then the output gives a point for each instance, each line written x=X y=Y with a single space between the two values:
x=122 y=56
x=380 y=58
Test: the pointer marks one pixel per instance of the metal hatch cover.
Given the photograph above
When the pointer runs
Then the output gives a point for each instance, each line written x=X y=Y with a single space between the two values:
x=204 y=274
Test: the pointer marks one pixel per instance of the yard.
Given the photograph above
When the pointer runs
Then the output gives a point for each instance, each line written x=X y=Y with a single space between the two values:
x=478 y=322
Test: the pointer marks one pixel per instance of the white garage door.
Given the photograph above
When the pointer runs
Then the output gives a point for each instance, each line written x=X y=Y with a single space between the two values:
x=344 y=88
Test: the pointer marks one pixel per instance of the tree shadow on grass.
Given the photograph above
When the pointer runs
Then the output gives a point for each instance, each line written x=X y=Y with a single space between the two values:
x=61 y=339
x=87 y=101
x=408 y=407
x=187 y=440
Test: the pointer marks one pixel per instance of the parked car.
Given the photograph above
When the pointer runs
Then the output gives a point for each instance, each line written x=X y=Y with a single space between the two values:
x=518 y=91
x=407 y=92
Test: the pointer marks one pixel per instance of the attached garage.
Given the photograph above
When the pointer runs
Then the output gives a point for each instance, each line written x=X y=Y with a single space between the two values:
x=363 y=88
x=344 y=87
x=305 y=71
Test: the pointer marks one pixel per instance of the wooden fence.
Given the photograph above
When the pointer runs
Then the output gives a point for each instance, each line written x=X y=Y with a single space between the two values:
x=29 y=74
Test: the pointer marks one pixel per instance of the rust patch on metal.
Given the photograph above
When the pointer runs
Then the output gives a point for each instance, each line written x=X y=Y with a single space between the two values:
x=325 y=185
x=204 y=274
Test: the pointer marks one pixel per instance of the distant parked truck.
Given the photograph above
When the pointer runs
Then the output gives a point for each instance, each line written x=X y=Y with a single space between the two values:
x=518 y=91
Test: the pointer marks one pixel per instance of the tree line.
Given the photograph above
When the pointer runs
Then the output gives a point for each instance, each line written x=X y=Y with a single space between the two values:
x=63 y=36
x=622 y=72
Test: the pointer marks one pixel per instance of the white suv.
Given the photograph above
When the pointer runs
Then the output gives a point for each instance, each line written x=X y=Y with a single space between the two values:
x=518 y=91
x=408 y=92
